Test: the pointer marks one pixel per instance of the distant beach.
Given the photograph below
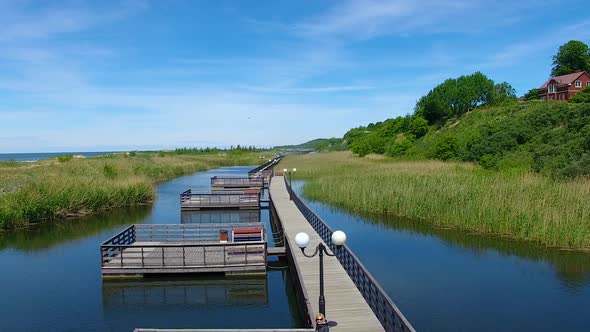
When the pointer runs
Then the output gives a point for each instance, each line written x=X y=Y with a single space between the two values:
x=29 y=157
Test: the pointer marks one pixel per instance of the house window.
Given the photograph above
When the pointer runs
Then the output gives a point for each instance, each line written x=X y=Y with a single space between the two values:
x=551 y=88
x=578 y=84
x=552 y=97
x=588 y=83
x=543 y=98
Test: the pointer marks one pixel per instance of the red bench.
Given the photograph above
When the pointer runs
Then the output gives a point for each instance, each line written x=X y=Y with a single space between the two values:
x=247 y=234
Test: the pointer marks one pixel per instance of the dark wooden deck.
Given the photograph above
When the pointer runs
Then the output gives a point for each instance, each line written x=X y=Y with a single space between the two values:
x=190 y=200
x=236 y=183
x=177 y=248
x=223 y=216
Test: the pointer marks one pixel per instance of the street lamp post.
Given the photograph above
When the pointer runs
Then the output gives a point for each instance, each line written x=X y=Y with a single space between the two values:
x=291 y=177
x=302 y=240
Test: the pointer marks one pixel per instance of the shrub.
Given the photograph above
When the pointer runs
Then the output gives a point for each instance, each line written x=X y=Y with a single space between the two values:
x=446 y=148
x=65 y=158
x=109 y=171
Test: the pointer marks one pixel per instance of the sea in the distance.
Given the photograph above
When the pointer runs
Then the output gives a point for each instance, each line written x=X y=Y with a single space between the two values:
x=28 y=157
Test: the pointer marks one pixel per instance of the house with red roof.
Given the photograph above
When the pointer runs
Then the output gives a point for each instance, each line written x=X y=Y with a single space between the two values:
x=564 y=87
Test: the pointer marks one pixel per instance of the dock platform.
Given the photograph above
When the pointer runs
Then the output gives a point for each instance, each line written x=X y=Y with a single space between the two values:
x=231 y=183
x=185 y=248
x=244 y=199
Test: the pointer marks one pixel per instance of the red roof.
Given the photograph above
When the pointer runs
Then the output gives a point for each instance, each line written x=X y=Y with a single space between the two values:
x=563 y=79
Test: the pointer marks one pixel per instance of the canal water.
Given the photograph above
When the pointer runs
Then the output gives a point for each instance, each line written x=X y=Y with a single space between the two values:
x=445 y=280
x=50 y=277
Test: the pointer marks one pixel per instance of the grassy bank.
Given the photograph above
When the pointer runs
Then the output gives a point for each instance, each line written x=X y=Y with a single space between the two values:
x=65 y=186
x=523 y=206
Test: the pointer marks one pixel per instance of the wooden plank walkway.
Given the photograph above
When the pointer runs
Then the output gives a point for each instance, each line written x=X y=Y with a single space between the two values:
x=344 y=303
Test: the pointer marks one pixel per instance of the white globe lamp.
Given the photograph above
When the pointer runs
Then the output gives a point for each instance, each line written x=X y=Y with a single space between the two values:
x=302 y=240
x=338 y=238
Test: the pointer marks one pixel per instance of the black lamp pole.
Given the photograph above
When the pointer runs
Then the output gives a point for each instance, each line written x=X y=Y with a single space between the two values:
x=321 y=250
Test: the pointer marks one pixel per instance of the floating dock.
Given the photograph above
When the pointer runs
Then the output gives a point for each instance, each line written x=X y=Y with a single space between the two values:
x=234 y=183
x=185 y=248
x=244 y=199
x=222 y=216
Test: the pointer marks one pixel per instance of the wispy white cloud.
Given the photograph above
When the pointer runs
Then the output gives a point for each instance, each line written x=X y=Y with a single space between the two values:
x=369 y=18
x=20 y=20
x=550 y=40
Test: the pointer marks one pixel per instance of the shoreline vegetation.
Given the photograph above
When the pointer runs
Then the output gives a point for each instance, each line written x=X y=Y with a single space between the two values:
x=464 y=196
x=65 y=186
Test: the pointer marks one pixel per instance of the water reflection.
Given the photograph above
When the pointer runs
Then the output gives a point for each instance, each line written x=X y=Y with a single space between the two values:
x=449 y=280
x=47 y=235
x=51 y=279
x=571 y=267
x=165 y=293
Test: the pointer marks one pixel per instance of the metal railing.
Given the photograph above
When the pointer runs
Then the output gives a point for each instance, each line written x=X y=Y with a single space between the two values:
x=221 y=199
x=176 y=245
x=266 y=165
x=386 y=311
x=241 y=182
x=214 y=216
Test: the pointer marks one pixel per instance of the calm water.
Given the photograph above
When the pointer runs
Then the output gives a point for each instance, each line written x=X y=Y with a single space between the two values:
x=41 y=156
x=51 y=281
x=444 y=280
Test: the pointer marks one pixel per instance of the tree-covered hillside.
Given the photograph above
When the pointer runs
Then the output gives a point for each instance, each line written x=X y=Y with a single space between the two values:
x=498 y=133
x=318 y=144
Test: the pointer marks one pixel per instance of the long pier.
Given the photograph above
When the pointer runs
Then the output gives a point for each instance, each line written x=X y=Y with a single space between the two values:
x=344 y=303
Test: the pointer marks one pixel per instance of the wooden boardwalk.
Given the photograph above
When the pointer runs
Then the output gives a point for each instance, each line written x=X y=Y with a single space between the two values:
x=344 y=303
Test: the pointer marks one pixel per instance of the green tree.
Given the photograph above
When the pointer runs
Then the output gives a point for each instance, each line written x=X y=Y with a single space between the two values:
x=503 y=93
x=532 y=94
x=572 y=57
x=418 y=126
x=455 y=97
x=582 y=96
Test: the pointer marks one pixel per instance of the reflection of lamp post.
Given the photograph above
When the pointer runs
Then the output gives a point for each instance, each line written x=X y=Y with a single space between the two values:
x=302 y=240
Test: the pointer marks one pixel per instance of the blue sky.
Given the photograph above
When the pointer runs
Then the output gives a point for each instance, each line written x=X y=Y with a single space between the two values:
x=83 y=76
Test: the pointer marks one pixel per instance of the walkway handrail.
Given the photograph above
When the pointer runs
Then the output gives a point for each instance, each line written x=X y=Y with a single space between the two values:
x=266 y=165
x=386 y=311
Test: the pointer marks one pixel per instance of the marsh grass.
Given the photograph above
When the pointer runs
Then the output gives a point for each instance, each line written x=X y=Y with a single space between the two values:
x=524 y=206
x=54 y=188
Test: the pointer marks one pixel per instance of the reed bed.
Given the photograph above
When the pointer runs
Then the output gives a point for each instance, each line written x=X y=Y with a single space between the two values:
x=450 y=194
x=69 y=187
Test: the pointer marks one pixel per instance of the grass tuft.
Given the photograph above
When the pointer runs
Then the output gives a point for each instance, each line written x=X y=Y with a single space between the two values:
x=68 y=187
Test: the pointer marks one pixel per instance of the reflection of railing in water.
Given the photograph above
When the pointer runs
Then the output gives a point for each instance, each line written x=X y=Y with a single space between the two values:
x=386 y=311
x=219 y=216
x=199 y=293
